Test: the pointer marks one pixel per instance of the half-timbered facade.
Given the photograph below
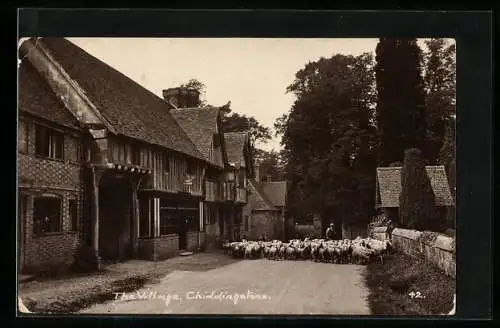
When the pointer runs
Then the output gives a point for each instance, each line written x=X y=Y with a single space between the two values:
x=240 y=170
x=105 y=171
x=225 y=181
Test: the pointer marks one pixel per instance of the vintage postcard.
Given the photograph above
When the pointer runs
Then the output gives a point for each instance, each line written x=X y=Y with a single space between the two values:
x=244 y=176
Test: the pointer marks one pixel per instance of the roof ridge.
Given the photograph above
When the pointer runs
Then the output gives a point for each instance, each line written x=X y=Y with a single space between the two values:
x=184 y=145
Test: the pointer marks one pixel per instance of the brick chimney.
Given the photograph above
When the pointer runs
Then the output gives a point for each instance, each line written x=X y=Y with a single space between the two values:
x=182 y=97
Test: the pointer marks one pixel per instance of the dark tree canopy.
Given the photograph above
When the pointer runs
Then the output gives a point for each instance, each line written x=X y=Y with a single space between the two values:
x=440 y=88
x=416 y=202
x=271 y=163
x=401 y=116
x=195 y=84
x=330 y=140
x=233 y=122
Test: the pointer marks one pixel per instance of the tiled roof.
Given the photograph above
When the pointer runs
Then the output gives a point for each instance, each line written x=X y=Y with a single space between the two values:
x=275 y=192
x=235 y=144
x=130 y=108
x=36 y=98
x=200 y=125
x=257 y=199
x=389 y=185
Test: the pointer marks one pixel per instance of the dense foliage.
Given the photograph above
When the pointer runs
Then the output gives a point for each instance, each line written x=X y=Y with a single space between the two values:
x=440 y=89
x=401 y=112
x=330 y=139
x=416 y=202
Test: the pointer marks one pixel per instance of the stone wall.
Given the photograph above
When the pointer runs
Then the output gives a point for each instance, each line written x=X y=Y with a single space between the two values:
x=437 y=249
x=379 y=233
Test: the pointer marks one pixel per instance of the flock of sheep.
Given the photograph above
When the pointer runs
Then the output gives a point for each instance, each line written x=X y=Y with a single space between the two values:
x=357 y=251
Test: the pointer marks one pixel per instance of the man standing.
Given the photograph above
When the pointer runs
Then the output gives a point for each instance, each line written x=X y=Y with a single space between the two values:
x=330 y=231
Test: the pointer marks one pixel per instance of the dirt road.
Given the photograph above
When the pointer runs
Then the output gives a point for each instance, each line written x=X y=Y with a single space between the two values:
x=250 y=287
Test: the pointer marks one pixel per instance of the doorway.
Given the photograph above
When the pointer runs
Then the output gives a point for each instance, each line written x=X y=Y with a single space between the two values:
x=115 y=219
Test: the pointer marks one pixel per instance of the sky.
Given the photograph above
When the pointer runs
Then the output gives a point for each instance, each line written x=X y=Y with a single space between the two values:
x=251 y=73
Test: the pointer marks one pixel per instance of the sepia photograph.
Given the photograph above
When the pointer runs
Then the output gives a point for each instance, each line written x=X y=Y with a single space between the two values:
x=236 y=176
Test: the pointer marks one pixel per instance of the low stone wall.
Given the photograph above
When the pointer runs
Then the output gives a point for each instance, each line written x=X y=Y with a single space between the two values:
x=437 y=249
x=379 y=233
x=158 y=248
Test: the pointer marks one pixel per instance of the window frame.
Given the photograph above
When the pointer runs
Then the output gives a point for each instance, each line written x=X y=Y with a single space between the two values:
x=36 y=220
x=166 y=229
x=78 y=153
x=52 y=136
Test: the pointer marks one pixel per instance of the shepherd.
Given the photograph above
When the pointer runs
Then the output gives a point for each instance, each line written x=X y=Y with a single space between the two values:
x=330 y=231
x=390 y=228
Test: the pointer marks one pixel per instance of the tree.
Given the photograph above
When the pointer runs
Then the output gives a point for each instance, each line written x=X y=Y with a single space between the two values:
x=440 y=88
x=330 y=140
x=416 y=201
x=401 y=117
x=233 y=122
x=447 y=155
x=195 y=84
x=236 y=123
x=271 y=164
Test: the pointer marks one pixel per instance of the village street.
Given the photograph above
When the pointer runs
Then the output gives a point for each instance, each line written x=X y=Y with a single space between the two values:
x=268 y=287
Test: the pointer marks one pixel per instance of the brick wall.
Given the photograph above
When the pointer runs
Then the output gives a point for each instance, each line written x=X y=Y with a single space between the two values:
x=61 y=178
x=192 y=240
x=439 y=250
x=158 y=248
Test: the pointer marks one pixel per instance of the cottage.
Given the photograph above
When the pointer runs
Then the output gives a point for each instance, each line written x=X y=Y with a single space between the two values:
x=225 y=180
x=241 y=170
x=104 y=167
x=265 y=213
x=388 y=189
